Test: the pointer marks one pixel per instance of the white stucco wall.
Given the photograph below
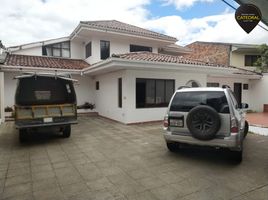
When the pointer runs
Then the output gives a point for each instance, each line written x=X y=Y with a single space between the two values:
x=34 y=51
x=230 y=82
x=117 y=46
x=258 y=93
x=10 y=88
x=134 y=114
x=106 y=99
x=77 y=50
x=85 y=89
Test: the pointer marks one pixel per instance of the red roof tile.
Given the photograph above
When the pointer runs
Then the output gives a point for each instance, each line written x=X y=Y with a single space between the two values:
x=156 y=57
x=114 y=25
x=45 y=62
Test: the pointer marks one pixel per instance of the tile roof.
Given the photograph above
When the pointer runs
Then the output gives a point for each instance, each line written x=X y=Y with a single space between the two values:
x=157 y=57
x=45 y=62
x=114 y=25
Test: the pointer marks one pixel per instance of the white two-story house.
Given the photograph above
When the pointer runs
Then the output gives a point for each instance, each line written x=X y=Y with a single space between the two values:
x=128 y=72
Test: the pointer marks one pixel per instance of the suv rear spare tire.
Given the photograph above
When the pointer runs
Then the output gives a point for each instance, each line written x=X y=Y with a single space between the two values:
x=203 y=122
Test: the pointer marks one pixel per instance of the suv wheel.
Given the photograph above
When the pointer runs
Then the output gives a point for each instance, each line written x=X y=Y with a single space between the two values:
x=246 y=129
x=66 y=131
x=23 y=135
x=203 y=122
x=237 y=156
x=172 y=146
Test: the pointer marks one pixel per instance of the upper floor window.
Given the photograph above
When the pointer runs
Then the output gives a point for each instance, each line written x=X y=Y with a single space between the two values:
x=88 y=50
x=213 y=84
x=58 y=50
x=104 y=49
x=135 y=48
x=251 y=59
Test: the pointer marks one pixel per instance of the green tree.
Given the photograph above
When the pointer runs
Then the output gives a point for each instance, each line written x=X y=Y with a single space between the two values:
x=262 y=62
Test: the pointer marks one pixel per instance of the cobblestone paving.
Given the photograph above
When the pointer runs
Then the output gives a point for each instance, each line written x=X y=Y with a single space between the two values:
x=105 y=160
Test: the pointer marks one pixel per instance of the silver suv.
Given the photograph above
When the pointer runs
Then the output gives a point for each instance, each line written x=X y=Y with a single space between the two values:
x=206 y=117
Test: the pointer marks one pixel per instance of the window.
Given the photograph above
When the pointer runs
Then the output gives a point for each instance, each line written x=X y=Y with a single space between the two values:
x=211 y=84
x=120 y=92
x=185 y=101
x=57 y=50
x=105 y=49
x=88 y=50
x=97 y=85
x=135 y=48
x=245 y=86
x=153 y=92
x=251 y=59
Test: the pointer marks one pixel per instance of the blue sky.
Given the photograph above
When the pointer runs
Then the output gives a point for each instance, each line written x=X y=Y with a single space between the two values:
x=199 y=9
x=188 y=20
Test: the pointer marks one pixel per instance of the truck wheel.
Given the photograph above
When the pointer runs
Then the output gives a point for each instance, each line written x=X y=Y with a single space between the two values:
x=67 y=131
x=23 y=135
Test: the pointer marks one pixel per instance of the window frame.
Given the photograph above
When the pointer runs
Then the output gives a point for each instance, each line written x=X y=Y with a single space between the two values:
x=212 y=84
x=245 y=86
x=61 y=48
x=88 y=51
x=102 y=57
x=120 y=96
x=131 y=46
x=249 y=59
x=97 y=85
x=155 y=105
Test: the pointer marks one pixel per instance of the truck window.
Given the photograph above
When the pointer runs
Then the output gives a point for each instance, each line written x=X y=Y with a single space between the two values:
x=44 y=90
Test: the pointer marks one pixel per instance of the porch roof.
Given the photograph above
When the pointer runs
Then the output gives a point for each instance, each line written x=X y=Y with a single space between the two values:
x=164 y=58
x=44 y=62
x=156 y=61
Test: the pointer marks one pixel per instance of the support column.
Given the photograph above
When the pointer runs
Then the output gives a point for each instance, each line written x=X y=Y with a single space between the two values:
x=2 y=103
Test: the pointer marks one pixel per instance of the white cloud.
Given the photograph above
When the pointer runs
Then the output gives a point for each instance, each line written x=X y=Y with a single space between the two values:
x=181 y=4
x=32 y=20
x=217 y=28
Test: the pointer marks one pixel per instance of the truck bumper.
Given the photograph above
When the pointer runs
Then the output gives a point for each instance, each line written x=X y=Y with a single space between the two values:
x=24 y=124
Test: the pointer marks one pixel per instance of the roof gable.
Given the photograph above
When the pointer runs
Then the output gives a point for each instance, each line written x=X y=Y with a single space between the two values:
x=120 y=27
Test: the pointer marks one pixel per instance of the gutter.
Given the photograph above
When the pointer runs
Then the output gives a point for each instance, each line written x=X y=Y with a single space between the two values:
x=157 y=65
x=23 y=68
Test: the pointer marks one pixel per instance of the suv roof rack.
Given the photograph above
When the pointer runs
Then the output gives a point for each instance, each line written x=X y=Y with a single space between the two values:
x=226 y=86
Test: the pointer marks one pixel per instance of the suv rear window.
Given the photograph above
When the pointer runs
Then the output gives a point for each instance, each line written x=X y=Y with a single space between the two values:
x=185 y=101
x=44 y=90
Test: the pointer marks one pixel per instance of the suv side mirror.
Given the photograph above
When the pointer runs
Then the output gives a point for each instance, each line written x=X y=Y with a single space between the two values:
x=244 y=105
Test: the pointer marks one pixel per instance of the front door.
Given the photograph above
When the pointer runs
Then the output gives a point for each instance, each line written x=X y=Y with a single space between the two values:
x=238 y=92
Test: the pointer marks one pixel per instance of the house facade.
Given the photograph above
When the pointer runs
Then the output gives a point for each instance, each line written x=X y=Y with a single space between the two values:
x=129 y=73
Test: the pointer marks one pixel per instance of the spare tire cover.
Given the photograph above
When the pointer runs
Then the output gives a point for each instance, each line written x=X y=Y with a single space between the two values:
x=203 y=122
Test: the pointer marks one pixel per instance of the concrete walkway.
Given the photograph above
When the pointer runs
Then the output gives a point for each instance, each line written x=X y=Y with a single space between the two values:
x=105 y=160
x=258 y=119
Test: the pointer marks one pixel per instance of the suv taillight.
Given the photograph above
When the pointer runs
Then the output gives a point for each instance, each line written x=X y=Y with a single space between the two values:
x=234 y=126
x=165 y=121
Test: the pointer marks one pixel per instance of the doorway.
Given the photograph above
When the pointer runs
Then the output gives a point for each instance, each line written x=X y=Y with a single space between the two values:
x=238 y=92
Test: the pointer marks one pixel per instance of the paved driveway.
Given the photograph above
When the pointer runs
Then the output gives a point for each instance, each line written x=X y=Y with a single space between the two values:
x=108 y=160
